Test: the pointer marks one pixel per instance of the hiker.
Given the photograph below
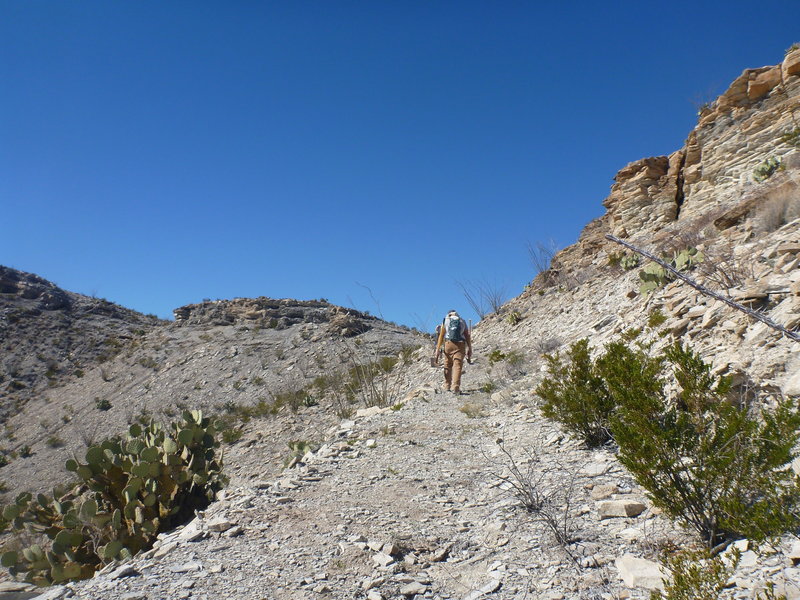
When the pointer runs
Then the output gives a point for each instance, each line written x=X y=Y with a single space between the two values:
x=454 y=338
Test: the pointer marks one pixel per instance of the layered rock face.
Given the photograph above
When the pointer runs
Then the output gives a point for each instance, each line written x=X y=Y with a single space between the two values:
x=275 y=314
x=713 y=171
x=733 y=192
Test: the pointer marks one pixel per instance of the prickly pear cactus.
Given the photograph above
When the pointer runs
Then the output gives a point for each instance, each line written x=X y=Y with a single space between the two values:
x=654 y=276
x=629 y=261
x=767 y=168
x=129 y=491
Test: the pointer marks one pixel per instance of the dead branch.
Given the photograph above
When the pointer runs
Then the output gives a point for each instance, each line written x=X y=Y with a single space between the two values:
x=704 y=290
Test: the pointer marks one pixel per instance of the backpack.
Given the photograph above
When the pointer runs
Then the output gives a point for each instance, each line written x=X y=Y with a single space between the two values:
x=453 y=329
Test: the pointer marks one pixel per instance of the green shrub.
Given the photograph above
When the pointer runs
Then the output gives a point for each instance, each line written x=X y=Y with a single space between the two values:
x=656 y=319
x=696 y=575
x=495 y=356
x=513 y=317
x=792 y=137
x=102 y=404
x=575 y=395
x=488 y=387
x=720 y=467
x=231 y=435
x=129 y=491
x=713 y=464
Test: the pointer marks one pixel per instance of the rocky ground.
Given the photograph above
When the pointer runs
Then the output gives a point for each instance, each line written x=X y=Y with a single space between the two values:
x=419 y=503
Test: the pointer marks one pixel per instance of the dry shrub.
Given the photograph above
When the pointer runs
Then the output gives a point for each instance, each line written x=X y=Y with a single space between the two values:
x=779 y=207
x=722 y=267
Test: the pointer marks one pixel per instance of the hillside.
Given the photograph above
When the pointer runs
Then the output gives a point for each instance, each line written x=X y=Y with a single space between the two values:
x=218 y=356
x=414 y=500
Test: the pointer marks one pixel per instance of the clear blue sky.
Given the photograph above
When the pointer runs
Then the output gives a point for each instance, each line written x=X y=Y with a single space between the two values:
x=158 y=153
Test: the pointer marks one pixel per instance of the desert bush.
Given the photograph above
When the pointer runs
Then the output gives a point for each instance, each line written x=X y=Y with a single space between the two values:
x=695 y=575
x=543 y=487
x=717 y=464
x=102 y=404
x=575 y=395
x=720 y=468
x=488 y=387
x=656 y=318
x=776 y=211
x=722 y=267
x=547 y=345
x=129 y=491
x=484 y=296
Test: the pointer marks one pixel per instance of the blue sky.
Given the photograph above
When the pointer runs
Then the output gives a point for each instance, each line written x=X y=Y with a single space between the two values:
x=371 y=153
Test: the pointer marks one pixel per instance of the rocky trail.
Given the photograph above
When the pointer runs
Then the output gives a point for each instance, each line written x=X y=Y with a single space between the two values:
x=400 y=504
x=416 y=503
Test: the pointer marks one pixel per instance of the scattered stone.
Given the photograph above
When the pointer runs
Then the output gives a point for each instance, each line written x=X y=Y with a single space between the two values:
x=413 y=588
x=187 y=567
x=54 y=593
x=219 y=524
x=123 y=571
x=192 y=532
x=382 y=559
x=620 y=508
x=492 y=586
x=601 y=492
x=640 y=573
x=16 y=586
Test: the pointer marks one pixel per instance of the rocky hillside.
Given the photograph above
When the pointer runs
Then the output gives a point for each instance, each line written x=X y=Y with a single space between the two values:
x=417 y=500
x=49 y=335
x=221 y=356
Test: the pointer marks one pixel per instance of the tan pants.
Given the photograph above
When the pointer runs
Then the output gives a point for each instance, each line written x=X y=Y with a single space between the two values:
x=453 y=363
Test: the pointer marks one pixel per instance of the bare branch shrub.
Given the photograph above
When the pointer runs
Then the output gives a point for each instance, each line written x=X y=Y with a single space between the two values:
x=781 y=208
x=542 y=257
x=547 y=345
x=723 y=267
x=484 y=296
x=545 y=488
x=87 y=433
x=367 y=378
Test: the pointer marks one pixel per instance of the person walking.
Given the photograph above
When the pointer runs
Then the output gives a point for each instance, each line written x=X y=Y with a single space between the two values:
x=455 y=339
